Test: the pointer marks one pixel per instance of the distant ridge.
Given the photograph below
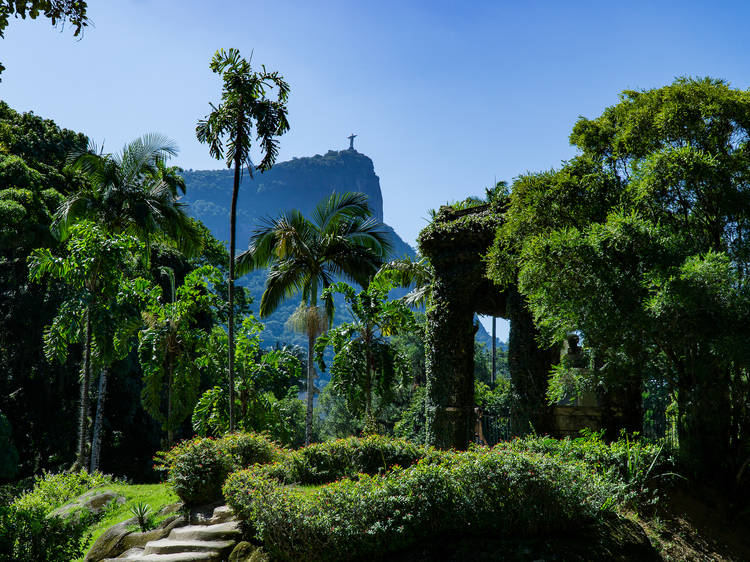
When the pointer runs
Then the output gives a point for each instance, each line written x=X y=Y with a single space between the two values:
x=299 y=183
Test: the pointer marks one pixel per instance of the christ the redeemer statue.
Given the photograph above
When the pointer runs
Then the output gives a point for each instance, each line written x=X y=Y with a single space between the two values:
x=351 y=141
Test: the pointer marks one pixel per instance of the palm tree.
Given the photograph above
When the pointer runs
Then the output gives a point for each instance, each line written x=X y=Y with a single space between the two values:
x=132 y=192
x=245 y=110
x=306 y=256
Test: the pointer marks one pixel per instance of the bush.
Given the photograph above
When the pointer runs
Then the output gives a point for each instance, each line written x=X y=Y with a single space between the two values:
x=197 y=468
x=630 y=463
x=27 y=534
x=50 y=491
x=497 y=492
x=325 y=462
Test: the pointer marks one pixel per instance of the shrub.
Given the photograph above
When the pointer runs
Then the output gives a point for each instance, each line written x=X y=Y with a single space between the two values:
x=498 y=492
x=27 y=534
x=197 y=468
x=325 y=462
x=630 y=463
x=50 y=491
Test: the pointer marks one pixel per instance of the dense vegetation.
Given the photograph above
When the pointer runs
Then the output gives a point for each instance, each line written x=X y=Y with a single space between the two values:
x=636 y=249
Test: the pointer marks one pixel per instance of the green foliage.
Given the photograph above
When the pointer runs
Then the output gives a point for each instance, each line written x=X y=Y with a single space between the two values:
x=634 y=467
x=142 y=512
x=196 y=469
x=169 y=345
x=366 y=364
x=94 y=268
x=265 y=385
x=640 y=243
x=27 y=534
x=132 y=192
x=345 y=458
x=482 y=491
x=8 y=452
x=51 y=491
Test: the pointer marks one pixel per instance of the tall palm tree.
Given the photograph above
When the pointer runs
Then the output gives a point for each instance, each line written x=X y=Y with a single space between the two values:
x=244 y=112
x=305 y=256
x=133 y=192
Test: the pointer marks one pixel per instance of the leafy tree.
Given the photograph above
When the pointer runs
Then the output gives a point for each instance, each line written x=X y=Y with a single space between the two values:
x=365 y=363
x=135 y=193
x=306 y=255
x=647 y=254
x=245 y=111
x=169 y=345
x=266 y=384
x=38 y=397
x=94 y=270
x=57 y=11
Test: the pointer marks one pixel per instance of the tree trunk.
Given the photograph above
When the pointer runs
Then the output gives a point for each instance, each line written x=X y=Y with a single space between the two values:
x=370 y=425
x=704 y=425
x=96 y=441
x=170 y=429
x=232 y=243
x=310 y=388
x=84 y=411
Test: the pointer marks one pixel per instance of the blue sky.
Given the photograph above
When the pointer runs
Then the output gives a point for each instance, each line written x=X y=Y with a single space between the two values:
x=445 y=96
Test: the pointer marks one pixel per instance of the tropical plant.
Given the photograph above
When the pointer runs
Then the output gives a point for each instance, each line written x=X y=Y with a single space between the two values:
x=266 y=386
x=408 y=273
x=245 y=111
x=132 y=192
x=306 y=255
x=365 y=363
x=169 y=344
x=96 y=308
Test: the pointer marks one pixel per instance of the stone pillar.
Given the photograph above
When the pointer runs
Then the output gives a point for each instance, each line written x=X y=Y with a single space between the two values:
x=529 y=370
x=450 y=368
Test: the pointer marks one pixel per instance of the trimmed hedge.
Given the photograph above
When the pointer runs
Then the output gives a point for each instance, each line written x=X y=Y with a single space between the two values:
x=501 y=492
x=321 y=463
x=197 y=468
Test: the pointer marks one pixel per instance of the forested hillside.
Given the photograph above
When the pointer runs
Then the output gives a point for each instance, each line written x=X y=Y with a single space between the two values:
x=299 y=184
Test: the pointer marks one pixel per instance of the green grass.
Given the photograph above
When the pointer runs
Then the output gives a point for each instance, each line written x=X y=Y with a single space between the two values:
x=155 y=495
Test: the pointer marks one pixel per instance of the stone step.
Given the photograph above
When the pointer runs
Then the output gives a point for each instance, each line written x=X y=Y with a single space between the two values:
x=222 y=514
x=175 y=557
x=219 y=531
x=170 y=546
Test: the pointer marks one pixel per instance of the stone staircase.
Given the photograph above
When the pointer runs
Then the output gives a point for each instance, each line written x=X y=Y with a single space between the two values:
x=211 y=540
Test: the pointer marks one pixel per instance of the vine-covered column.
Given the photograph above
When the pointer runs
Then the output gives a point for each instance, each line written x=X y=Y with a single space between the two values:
x=529 y=370
x=450 y=368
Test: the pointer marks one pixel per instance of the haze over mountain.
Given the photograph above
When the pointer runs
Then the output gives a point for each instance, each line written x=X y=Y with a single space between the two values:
x=300 y=184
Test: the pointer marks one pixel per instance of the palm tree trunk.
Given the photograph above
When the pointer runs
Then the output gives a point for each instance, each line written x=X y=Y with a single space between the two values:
x=96 y=441
x=84 y=411
x=232 y=240
x=170 y=429
x=310 y=387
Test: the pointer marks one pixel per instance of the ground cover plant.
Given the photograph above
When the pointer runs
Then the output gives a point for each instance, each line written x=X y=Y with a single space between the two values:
x=510 y=490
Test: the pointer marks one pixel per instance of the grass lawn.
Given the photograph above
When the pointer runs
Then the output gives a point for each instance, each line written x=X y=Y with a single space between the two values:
x=155 y=495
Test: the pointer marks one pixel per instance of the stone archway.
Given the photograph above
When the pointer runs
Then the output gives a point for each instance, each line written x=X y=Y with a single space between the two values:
x=455 y=242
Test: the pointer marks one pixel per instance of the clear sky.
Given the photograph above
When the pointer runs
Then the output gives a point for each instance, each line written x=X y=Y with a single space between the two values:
x=446 y=96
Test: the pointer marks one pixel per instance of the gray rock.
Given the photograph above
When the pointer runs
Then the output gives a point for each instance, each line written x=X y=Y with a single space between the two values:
x=92 y=502
x=119 y=539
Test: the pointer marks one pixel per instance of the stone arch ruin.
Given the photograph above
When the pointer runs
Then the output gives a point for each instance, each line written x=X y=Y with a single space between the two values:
x=455 y=243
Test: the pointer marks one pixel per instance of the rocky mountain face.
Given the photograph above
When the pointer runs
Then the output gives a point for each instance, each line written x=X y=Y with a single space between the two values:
x=300 y=184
